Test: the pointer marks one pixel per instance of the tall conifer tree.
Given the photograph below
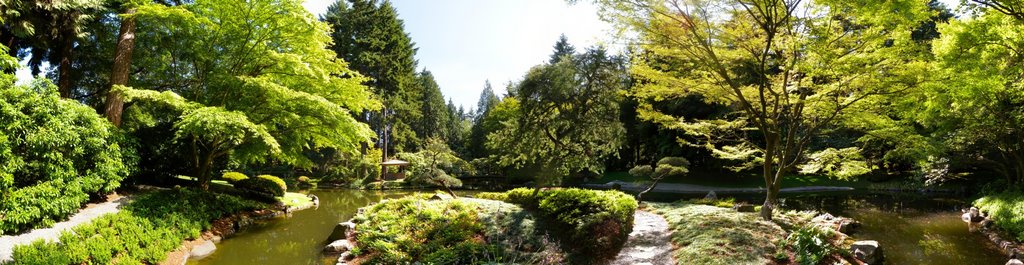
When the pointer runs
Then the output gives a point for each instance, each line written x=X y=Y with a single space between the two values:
x=369 y=36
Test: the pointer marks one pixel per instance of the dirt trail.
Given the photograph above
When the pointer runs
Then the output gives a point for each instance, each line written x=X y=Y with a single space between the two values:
x=649 y=243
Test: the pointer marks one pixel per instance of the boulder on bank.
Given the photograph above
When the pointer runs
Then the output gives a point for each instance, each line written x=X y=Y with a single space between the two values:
x=711 y=196
x=440 y=196
x=867 y=251
x=202 y=250
x=341 y=231
x=744 y=208
x=1014 y=262
x=338 y=246
x=836 y=223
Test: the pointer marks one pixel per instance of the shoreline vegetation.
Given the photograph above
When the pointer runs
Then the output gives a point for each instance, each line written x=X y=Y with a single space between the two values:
x=548 y=226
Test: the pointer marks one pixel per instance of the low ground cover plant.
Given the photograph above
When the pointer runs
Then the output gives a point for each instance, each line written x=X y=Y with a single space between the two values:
x=1006 y=210
x=591 y=224
x=452 y=231
x=143 y=232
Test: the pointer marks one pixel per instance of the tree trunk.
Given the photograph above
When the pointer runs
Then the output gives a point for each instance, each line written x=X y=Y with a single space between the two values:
x=769 y=179
x=64 y=72
x=450 y=191
x=121 y=67
x=769 y=204
x=640 y=195
x=203 y=172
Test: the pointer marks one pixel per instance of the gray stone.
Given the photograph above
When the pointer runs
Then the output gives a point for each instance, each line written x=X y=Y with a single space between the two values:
x=338 y=246
x=202 y=250
x=867 y=251
x=345 y=256
x=1014 y=262
x=440 y=197
x=216 y=239
x=743 y=208
x=341 y=231
x=972 y=215
x=711 y=196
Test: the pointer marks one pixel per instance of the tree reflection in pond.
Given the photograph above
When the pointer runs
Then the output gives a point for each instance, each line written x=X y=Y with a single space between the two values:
x=298 y=239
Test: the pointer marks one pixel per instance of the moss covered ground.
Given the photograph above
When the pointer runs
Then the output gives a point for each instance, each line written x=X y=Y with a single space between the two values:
x=706 y=234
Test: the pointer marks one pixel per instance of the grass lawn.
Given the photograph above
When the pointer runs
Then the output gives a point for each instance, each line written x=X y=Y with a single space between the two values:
x=736 y=180
x=706 y=234
x=292 y=199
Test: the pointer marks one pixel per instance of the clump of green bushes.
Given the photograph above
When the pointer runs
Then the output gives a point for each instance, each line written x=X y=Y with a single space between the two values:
x=811 y=244
x=263 y=187
x=143 y=232
x=54 y=154
x=1006 y=210
x=276 y=180
x=454 y=231
x=233 y=177
x=592 y=224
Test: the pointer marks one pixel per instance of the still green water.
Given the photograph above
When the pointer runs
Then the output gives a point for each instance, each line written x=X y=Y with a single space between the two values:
x=298 y=239
x=911 y=229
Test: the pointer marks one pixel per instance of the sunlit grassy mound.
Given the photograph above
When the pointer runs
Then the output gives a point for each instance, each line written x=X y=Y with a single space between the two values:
x=449 y=231
x=592 y=225
x=706 y=234
x=1006 y=210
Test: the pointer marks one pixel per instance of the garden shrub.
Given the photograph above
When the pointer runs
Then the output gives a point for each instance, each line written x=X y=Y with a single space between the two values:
x=50 y=142
x=40 y=205
x=233 y=177
x=811 y=244
x=1006 y=210
x=143 y=232
x=260 y=185
x=280 y=182
x=591 y=223
x=458 y=231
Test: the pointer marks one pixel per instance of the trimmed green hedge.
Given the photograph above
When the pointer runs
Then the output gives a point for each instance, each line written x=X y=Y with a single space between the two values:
x=143 y=232
x=456 y=231
x=233 y=177
x=1006 y=210
x=260 y=185
x=280 y=182
x=592 y=223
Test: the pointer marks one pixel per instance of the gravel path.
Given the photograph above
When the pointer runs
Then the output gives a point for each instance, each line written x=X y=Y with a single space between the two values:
x=649 y=243
x=91 y=211
x=699 y=189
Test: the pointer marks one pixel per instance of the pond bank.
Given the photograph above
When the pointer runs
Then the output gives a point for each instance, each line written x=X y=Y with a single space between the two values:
x=205 y=244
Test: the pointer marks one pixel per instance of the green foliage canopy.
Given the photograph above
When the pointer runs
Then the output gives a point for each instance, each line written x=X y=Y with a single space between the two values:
x=256 y=81
x=790 y=70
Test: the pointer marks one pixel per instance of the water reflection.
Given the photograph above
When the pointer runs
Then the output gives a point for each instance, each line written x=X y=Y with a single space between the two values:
x=298 y=239
x=912 y=229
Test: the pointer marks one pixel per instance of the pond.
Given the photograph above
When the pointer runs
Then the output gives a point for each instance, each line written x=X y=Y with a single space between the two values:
x=912 y=229
x=298 y=239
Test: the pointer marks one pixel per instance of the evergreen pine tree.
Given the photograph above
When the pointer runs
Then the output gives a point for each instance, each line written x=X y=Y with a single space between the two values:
x=369 y=35
x=562 y=49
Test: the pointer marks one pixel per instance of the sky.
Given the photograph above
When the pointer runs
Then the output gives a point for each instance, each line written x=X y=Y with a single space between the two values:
x=466 y=42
